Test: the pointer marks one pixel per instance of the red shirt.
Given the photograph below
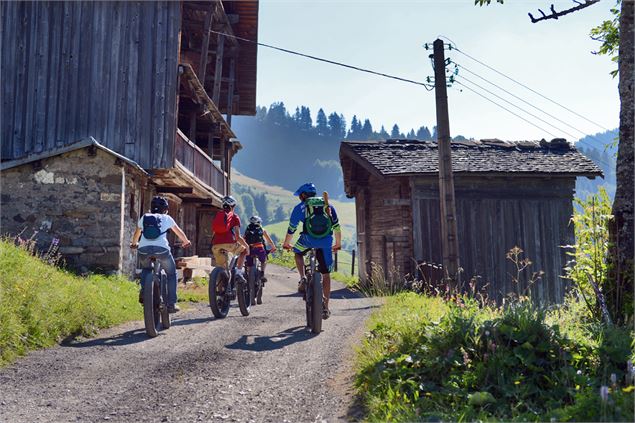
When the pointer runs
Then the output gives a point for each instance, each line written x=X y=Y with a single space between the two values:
x=228 y=237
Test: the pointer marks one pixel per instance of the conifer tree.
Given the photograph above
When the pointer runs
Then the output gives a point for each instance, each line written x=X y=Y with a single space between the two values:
x=395 y=132
x=321 y=123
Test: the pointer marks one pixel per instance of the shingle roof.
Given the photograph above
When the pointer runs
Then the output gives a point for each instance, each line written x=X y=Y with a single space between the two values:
x=399 y=157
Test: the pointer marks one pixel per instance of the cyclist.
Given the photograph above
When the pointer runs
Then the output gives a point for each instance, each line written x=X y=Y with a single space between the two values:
x=151 y=239
x=226 y=227
x=255 y=236
x=305 y=212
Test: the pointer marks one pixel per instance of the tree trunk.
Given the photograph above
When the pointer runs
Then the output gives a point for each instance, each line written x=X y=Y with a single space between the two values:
x=620 y=291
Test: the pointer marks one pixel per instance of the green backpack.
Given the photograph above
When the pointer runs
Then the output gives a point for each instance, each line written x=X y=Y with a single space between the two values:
x=317 y=222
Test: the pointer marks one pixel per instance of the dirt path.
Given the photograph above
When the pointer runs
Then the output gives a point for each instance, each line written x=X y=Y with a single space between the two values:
x=264 y=367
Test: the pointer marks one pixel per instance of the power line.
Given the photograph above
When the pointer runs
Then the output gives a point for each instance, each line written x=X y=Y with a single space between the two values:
x=530 y=89
x=537 y=108
x=428 y=87
x=517 y=115
x=505 y=108
x=518 y=107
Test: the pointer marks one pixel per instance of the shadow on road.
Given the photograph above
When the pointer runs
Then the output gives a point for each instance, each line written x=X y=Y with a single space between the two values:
x=184 y=322
x=270 y=343
x=126 y=338
x=345 y=294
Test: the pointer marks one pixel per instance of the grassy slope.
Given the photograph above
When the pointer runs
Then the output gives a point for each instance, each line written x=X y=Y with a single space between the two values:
x=425 y=359
x=41 y=304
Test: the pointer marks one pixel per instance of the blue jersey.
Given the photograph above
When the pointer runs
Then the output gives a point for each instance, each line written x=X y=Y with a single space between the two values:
x=299 y=215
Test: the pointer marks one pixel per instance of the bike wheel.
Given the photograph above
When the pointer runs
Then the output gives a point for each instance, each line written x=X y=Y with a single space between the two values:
x=165 y=315
x=218 y=292
x=244 y=296
x=259 y=285
x=253 y=280
x=316 y=303
x=151 y=316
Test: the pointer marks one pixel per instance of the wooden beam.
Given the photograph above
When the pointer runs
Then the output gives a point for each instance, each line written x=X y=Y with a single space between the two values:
x=230 y=91
x=175 y=190
x=218 y=73
x=192 y=133
x=205 y=46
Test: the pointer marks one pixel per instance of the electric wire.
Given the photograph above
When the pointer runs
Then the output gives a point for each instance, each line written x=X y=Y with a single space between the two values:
x=529 y=88
x=537 y=108
x=518 y=107
x=428 y=87
x=504 y=108
x=520 y=117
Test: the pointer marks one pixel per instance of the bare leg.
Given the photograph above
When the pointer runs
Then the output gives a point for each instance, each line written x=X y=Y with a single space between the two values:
x=241 y=259
x=326 y=288
x=299 y=264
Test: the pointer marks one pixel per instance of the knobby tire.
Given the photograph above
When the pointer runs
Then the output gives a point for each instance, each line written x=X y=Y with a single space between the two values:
x=218 y=296
x=151 y=315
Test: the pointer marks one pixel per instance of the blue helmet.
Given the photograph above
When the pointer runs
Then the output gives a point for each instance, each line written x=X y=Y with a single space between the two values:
x=307 y=188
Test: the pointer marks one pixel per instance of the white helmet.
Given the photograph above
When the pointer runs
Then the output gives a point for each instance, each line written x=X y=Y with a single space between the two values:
x=228 y=200
x=256 y=220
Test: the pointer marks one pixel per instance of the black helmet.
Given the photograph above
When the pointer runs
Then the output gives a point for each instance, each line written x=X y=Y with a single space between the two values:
x=159 y=205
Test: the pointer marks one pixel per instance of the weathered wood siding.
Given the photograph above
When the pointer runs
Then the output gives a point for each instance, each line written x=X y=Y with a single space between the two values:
x=386 y=225
x=76 y=69
x=493 y=216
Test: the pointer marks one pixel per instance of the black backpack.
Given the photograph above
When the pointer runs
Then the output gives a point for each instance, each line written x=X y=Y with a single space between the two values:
x=254 y=234
x=152 y=226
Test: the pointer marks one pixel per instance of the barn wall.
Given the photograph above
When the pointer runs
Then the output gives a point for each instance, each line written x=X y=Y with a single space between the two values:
x=387 y=225
x=76 y=69
x=495 y=215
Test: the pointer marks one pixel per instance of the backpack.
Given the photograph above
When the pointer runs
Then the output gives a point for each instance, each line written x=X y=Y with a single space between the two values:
x=254 y=234
x=152 y=227
x=317 y=222
x=220 y=224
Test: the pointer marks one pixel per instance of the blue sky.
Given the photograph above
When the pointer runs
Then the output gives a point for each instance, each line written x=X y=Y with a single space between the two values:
x=552 y=57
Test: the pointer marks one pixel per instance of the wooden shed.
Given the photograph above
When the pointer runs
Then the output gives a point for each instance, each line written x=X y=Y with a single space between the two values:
x=154 y=82
x=507 y=194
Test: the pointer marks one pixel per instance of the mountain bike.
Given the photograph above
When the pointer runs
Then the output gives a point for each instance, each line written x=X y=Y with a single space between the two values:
x=223 y=289
x=255 y=280
x=155 y=294
x=313 y=293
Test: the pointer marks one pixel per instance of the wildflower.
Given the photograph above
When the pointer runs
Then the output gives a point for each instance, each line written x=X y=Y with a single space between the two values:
x=579 y=372
x=390 y=361
x=486 y=333
x=613 y=379
x=408 y=359
x=604 y=393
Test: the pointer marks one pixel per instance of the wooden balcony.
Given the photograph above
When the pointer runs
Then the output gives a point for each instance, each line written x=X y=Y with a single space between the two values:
x=189 y=156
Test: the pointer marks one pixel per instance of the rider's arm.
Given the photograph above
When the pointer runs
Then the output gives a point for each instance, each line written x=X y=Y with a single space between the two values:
x=181 y=235
x=294 y=221
x=135 y=237
x=240 y=239
x=336 y=229
x=269 y=241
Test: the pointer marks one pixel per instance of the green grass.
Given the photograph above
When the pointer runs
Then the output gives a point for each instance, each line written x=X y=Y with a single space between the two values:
x=286 y=259
x=427 y=360
x=41 y=304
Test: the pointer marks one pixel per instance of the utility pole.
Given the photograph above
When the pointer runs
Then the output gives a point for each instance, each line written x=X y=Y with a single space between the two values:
x=449 y=240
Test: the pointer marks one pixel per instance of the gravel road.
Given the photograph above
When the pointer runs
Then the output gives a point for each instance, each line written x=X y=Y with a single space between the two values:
x=261 y=368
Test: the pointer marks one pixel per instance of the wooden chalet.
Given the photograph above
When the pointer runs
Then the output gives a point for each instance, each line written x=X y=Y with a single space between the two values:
x=153 y=82
x=507 y=194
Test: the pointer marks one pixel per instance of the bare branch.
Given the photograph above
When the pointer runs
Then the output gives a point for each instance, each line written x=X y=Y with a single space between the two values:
x=555 y=14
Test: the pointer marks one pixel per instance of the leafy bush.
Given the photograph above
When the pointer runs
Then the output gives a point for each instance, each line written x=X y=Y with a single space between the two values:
x=41 y=304
x=473 y=363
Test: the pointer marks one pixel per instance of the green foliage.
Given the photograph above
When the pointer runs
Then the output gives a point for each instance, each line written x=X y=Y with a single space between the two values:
x=425 y=360
x=608 y=34
x=41 y=304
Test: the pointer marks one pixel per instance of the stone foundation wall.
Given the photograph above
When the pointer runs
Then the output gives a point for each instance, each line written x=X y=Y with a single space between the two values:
x=75 y=198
